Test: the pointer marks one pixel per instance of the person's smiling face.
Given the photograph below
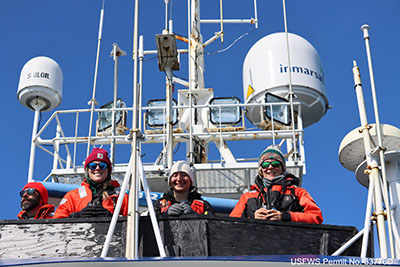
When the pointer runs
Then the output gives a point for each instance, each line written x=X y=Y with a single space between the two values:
x=271 y=172
x=98 y=175
x=30 y=201
x=180 y=182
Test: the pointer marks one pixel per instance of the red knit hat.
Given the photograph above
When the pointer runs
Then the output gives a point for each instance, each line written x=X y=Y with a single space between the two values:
x=100 y=155
x=40 y=188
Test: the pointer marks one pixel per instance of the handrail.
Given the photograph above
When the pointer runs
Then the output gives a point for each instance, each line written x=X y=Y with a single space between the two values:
x=241 y=133
x=117 y=209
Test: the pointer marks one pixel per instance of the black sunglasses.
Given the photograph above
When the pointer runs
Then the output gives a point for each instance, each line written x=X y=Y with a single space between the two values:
x=93 y=165
x=274 y=164
x=29 y=191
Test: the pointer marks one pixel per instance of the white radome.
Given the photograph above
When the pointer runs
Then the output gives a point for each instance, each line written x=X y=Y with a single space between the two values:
x=41 y=78
x=265 y=69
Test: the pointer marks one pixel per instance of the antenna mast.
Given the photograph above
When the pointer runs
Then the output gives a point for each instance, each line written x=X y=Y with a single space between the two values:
x=93 y=101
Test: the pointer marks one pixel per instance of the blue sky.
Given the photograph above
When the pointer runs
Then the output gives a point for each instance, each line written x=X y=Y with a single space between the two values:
x=67 y=32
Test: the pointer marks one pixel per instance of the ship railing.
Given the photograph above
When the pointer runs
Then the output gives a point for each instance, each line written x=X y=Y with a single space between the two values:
x=276 y=130
x=69 y=166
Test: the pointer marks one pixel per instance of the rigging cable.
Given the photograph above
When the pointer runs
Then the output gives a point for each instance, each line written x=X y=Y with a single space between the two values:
x=233 y=43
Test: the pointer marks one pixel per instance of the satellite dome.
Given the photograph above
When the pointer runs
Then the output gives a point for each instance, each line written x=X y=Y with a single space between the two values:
x=41 y=79
x=266 y=70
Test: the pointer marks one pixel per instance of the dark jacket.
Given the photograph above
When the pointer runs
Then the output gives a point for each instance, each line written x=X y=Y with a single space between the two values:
x=294 y=202
x=194 y=200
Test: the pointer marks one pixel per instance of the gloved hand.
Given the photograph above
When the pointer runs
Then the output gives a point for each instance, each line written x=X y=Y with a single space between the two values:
x=180 y=209
x=186 y=209
x=92 y=211
x=175 y=210
x=100 y=211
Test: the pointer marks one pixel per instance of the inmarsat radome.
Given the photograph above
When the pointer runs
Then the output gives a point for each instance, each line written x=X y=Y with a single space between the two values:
x=266 y=70
x=40 y=84
x=39 y=89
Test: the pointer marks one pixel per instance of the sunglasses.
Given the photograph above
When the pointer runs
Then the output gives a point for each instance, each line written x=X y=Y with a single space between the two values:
x=274 y=164
x=29 y=191
x=93 y=165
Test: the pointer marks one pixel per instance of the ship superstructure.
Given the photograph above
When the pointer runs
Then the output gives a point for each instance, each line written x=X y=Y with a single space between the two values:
x=283 y=92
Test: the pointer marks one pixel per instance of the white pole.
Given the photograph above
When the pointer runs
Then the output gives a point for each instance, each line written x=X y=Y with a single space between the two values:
x=169 y=117
x=295 y=155
x=117 y=209
x=349 y=243
x=141 y=58
x=255 y=13
x=222 y=22
x=115 y=53
x=57 y=148
x=371 y=165
x=365 y=28
x=166 y=14
x=113 y=132
x=131 y=240
x=150 y=207
x=191 y=78
x=37 y=104
x=93 y=101
x=368 y=210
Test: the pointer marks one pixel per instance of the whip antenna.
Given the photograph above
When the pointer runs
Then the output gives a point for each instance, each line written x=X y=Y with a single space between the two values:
x=290 y=84
x=93 y=101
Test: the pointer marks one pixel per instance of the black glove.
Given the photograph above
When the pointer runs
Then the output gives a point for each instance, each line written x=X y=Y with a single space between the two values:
x=100 y=211
x=92 y=211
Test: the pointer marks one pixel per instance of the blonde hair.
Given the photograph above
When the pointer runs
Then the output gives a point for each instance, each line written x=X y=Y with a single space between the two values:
x=259 y=171
x=106 y=183
x=105 y=193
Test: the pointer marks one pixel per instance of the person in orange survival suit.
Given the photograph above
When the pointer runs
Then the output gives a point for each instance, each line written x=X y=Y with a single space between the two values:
x=97 y=195
x=34 y=197
x=276 y=195
x=182 y=198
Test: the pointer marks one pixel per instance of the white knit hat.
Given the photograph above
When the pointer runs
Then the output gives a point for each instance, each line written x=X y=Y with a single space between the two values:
x=181 y=166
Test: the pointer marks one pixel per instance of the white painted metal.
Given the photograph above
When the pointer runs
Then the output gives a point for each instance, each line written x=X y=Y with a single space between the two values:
x=57 y=147
x=93 y=102
x=141 y=57
x=132 y=218
x=117 y=209
x=37 y=105
x=196 y=98
x=290 y=91
x=116 y=52
x=351 y=150
x=365 y=28
x=225 y=151
x=348 y=243
x=150 y=206
x=373 y=174
x=392 y=164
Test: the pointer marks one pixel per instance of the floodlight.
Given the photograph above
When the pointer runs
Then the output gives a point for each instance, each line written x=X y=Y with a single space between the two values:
x=278 y=113
x=157 y=117
x=167 y=52
x=104 y=121
x=225 y=114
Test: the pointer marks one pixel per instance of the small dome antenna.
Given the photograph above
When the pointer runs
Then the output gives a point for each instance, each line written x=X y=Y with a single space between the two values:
x=39 y=89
